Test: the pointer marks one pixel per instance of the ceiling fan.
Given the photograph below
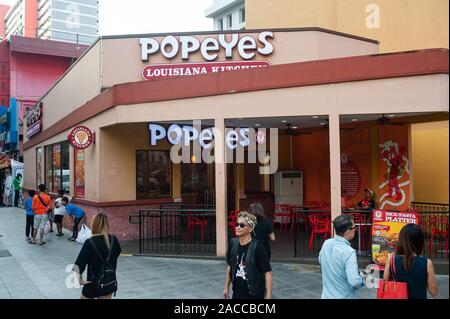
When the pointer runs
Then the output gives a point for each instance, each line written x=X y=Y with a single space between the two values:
x=292 y=132
x=384 y=120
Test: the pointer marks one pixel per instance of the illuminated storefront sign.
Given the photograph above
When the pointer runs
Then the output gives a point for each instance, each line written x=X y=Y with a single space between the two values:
x=81 y=137
x=34 y=120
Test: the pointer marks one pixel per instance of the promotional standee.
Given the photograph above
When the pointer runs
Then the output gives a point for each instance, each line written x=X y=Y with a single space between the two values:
x=386 y=227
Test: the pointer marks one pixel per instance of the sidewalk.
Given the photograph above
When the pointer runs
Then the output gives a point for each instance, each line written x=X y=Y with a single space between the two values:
x=39 y=272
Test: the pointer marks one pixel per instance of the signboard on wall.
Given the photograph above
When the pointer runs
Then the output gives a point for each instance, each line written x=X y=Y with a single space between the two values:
x=386 y=227
x=79 y=172
x=81 y=137
x=34 y=120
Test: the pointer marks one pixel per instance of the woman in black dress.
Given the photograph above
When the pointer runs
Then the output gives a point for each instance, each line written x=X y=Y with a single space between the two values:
x=410 y=266
x=264 y=229
x=93 y=254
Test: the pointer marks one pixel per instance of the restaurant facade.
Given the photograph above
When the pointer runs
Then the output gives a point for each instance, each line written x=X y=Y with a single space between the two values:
x=328 y=103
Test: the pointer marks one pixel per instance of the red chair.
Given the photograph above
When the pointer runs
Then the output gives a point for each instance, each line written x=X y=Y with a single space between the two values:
x=196 y=221
x=282 y=215
x=439 y=227
x=320 y=224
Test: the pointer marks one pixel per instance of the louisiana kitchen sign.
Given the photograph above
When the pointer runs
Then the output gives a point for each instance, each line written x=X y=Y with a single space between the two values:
x=242 y=52
x=81 y=137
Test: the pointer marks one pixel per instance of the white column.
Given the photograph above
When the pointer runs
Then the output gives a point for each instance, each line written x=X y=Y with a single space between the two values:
x=221 y=189
x=335 y=165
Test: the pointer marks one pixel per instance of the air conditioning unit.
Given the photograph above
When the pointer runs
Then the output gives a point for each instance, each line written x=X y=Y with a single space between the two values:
x=289 y=187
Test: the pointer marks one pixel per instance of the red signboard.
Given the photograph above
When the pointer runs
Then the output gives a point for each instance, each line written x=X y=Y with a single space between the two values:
x=34 y=120
x=81 y=137
x=164 y=71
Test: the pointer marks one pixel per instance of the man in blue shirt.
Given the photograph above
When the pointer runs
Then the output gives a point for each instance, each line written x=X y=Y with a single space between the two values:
x=77 y=215
x=340 y=276
x=29 y=214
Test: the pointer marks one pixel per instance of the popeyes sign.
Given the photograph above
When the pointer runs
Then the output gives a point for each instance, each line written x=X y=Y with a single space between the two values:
x=246 y=47
x=81 y=137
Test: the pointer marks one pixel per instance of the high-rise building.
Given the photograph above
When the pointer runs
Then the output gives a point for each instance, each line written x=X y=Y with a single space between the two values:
x=227 y=14
x=73 y=21
x=3 y=11
x=68 y=20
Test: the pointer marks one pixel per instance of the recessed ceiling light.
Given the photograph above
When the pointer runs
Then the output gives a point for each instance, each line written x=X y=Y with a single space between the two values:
x=295 y=127
x=323 y=123
x=355 y=120
x=315 y=117
x=257 y=125
x=391 y=115
x=283 y=121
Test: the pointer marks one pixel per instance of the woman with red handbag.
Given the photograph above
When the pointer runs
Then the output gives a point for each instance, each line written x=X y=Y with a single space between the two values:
x=409 y=267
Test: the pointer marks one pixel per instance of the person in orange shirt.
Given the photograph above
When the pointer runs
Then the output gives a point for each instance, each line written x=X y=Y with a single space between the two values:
x=41 y=204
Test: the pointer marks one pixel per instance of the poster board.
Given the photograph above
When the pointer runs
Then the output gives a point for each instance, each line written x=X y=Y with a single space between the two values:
x=386 y=227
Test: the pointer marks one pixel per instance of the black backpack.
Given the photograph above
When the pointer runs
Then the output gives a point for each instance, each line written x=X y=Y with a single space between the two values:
x=105 y=281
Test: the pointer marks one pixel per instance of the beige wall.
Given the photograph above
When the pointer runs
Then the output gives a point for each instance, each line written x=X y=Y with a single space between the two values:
x=404 y=24
x=430 y=147
x=122 y=57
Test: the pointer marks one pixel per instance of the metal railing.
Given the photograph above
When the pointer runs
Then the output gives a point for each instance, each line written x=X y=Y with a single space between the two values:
x=176 y=230
x=429 y=207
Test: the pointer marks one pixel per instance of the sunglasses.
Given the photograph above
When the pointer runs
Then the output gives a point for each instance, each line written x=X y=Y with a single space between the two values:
x=241 y=225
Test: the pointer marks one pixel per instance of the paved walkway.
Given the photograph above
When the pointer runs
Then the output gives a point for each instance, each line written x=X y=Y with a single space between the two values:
x=37 y=272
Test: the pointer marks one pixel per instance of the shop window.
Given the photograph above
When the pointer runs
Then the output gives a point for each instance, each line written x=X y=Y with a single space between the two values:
x=38 y=166
x=242 y=15
x=153 y=174
x=230 y=21
x=57 y=169
x=197 y=183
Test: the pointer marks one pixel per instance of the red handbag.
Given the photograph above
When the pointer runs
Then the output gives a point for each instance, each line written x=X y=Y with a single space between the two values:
x=392 y=289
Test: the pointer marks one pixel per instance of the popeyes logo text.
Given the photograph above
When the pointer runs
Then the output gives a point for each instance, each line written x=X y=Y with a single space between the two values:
x=247 y=46
x=81 y=137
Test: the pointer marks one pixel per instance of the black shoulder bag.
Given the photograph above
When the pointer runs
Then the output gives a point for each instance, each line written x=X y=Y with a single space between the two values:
x=49 y=210
x=105 y=281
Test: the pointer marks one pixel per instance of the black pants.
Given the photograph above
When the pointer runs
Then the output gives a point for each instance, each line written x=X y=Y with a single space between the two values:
x=16 y=198
x=76 y=222
x=29 y=225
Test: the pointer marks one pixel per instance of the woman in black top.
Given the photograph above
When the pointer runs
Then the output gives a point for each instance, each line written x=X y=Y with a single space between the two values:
x=416 y=270
x=264 y=229
x=88 y=257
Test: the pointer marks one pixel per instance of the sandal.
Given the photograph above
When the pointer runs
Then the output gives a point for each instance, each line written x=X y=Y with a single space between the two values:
x=42 y=243
x=33 y=242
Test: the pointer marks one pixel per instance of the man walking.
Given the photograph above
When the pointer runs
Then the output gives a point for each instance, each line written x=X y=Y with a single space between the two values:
x=340 y=277
x=41 y=204
x=248 y=263
x=17 y=183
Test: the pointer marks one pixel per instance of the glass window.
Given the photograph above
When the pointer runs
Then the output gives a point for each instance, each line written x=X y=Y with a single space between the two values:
x=230 y=21
x=242 y=15
x=198 y=182
x=220 y=24
x=57 y=169
x=254 y=181
x=153 y=174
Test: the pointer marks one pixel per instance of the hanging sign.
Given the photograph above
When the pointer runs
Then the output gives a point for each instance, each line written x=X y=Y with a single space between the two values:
x=34 y=120
x=81 y=137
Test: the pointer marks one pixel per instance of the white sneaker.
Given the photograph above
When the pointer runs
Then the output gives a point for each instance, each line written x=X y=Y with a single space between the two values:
x=27 y=238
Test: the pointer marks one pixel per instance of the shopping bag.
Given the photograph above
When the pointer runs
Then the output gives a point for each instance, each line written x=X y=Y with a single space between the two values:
x=83 y=234
x=392 y=289
x=47 y=228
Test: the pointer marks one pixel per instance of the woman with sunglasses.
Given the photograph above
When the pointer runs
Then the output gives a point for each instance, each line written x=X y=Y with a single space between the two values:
x=248 y=263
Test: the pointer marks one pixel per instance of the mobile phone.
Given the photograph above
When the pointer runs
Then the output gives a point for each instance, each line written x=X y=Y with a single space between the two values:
x=363 y=272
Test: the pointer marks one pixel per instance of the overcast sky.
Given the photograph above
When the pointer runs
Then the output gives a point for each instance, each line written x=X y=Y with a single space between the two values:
x=150 y=16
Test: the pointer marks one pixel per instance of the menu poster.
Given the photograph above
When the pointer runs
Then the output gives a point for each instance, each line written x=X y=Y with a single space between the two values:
x=79 y=172
x=386 y=227
x=350 y=179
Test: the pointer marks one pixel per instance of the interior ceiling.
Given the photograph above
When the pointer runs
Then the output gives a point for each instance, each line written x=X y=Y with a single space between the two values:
x=306 y=122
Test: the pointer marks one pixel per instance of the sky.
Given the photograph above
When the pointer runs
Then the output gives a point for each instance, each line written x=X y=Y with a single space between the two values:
x=150 y=16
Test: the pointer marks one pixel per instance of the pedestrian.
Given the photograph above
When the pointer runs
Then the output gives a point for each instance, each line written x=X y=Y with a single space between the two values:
x=77 y=214
x=50 y=215
x=29 y=215
x=248 y=267
x=100 y=253
x=340 y=276
x=264 y=228
x=17 y=184
x=41 y=205
x=410 y=266
x=59 y=213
